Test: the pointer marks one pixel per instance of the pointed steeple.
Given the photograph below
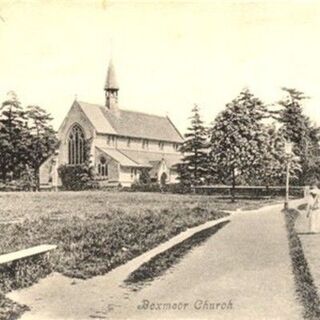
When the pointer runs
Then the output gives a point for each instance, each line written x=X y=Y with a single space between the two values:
x=111 y=81
x=111 y=88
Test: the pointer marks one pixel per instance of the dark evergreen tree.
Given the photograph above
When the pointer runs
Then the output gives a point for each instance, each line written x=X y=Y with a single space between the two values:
x=13 y=135
x=193 y=169
x=237 y=140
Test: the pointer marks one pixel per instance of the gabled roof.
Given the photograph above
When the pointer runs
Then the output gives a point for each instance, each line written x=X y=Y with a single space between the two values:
x=131 y=123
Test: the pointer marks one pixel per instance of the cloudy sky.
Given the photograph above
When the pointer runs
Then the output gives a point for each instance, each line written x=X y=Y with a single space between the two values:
x=168 y=54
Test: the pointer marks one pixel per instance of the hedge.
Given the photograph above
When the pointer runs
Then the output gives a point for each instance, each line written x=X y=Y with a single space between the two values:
x=305 y=287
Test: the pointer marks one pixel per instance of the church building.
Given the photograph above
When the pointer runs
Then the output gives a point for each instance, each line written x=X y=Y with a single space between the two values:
x=122 y=142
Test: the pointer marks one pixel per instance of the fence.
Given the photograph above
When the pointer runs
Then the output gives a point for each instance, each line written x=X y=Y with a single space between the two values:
x=251 y=191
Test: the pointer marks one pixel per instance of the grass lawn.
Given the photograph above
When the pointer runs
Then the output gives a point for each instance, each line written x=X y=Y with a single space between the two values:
x=17 y=205
x=97 y=231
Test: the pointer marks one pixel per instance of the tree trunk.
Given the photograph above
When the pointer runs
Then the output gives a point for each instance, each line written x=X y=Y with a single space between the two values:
x=4 y=174
x=37 y=178
x=233 y=185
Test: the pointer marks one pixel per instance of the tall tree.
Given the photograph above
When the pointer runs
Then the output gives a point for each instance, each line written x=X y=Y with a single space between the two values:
x=297 y=128
x=193 y=169
x=237 y=139
x=42 y=139
x=13 y=135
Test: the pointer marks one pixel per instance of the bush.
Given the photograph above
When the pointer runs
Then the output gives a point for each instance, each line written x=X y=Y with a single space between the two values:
x=144 y=177
x=77 y=177
x=145 y=187
x=178 y=188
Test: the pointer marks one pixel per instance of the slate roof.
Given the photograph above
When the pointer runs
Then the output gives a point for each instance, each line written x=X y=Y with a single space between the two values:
x=151 y=158
x=142 y=159
x=131 y=123
x=119 y=157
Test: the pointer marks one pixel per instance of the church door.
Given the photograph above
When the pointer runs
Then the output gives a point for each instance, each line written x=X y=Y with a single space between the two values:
x=163 y=178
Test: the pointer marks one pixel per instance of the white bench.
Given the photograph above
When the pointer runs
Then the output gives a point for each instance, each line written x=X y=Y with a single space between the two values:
x=26 y=253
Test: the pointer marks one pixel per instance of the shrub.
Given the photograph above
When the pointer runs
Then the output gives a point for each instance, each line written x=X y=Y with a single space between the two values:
x=145 y=187
x=77 y=177
x=177 y=188
x=144 y=177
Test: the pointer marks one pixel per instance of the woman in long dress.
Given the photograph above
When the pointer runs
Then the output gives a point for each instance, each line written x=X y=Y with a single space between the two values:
x=313 y=210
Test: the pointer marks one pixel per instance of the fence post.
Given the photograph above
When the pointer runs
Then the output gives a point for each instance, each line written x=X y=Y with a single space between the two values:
x=306 y=191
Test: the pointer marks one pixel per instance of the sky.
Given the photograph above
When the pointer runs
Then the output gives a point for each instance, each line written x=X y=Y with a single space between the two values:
x=168 y=55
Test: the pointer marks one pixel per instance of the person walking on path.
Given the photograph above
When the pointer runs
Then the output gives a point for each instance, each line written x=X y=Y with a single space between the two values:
x=313 y=210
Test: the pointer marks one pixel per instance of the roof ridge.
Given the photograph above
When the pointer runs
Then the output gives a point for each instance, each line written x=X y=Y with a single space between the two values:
x=148 y=151
x=142 y=112
x=125 y=110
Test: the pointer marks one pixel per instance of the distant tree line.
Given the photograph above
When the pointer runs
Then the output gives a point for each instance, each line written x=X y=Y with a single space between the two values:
x=245 y=144
x=27 y=139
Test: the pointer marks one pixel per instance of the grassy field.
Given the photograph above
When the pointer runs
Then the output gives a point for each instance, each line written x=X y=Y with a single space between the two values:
x=17 y=205
x=96 y=231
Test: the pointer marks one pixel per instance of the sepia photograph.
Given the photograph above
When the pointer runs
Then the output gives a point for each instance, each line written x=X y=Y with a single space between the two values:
x=159 y=159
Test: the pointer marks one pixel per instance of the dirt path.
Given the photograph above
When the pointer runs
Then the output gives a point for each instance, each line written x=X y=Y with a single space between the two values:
x=246 y=265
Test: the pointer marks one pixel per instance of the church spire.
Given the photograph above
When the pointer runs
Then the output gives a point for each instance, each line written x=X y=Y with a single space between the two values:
x=111 y=88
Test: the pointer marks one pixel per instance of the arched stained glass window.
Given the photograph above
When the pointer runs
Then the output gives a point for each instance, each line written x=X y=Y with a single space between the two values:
x=76 y=145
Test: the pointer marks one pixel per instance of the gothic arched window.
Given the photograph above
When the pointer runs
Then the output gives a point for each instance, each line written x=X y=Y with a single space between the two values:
x=103 y=167
x=76 y=145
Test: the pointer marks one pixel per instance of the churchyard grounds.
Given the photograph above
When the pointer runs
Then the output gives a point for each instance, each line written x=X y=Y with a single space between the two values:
x=97 y=231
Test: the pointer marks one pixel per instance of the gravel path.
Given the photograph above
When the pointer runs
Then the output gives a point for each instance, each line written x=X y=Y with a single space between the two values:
x=245 y=267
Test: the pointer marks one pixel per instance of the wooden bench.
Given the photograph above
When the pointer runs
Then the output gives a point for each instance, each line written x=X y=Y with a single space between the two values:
x=26 y=253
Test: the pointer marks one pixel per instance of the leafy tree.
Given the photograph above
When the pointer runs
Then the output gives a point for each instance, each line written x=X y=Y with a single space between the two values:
x=13 y=135
x=42 y=139
x=273 y=160
x=193 y=169
x=297 y=128
x=237 y=139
